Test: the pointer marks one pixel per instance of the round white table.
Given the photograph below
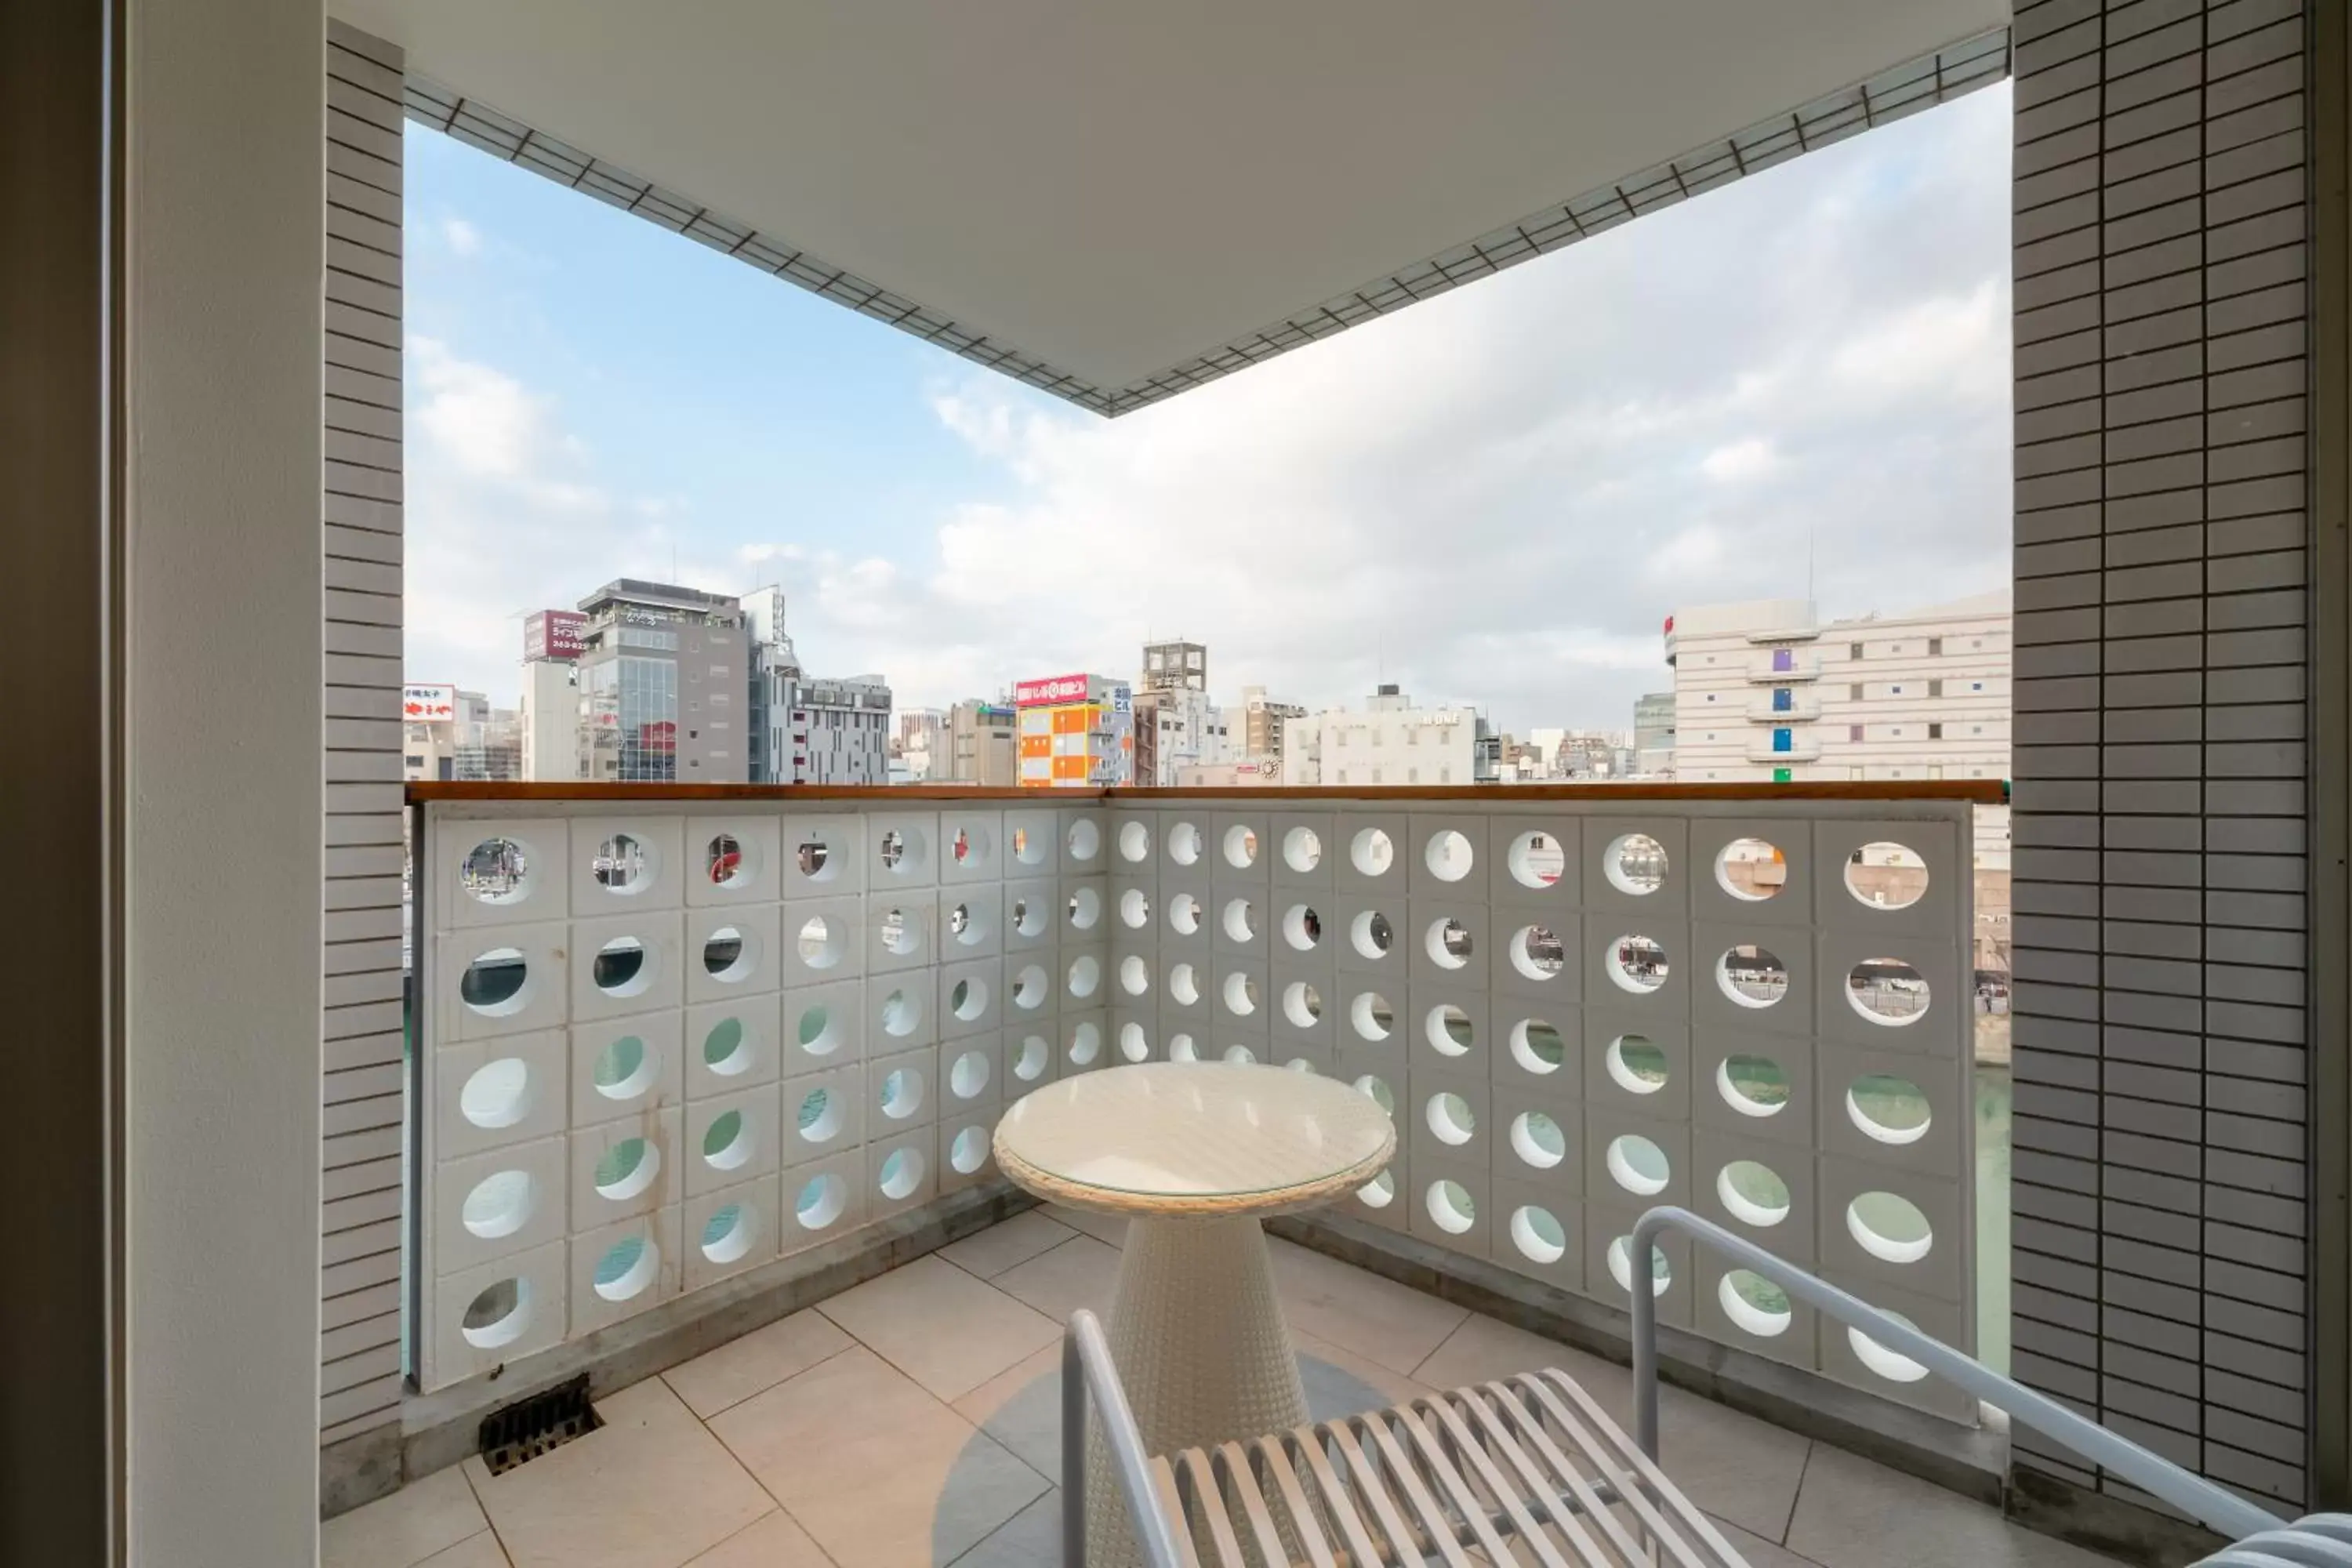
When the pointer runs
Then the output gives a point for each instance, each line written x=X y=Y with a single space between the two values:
x=1193 y=1153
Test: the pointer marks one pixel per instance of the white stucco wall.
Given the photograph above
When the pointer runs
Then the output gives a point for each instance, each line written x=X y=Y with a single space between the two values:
x=224 y=163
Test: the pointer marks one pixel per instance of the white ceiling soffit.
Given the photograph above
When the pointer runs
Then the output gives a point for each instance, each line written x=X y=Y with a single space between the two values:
x=1115 y=202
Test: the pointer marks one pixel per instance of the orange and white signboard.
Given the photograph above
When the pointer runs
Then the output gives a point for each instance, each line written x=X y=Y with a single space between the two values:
x=429 y=704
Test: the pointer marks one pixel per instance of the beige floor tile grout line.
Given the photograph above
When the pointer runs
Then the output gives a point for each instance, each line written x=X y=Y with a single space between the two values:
x=664 y=1375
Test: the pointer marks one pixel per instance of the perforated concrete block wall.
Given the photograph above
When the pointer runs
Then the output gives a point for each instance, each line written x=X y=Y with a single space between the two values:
x=668 y=1045
x=2162 y=235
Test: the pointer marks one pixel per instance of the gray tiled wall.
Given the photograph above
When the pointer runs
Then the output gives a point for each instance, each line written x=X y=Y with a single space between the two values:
x=2161 y=232
x=360 y=1026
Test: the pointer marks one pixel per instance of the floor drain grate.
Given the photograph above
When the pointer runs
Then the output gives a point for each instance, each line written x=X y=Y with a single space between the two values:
x=529 y=1427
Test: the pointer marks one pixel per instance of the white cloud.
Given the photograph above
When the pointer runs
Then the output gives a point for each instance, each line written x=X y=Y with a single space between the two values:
x=462 y=238
x=1741 y=461
x=1495 y=496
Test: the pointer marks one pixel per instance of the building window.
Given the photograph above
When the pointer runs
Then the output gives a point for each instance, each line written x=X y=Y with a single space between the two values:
x=1376 y=775
x=1976 y=686
x=1894 y=692
x=1783 y=699
x=1976 y=728
x=1935 y=688
x=1853 y=733
x=1784 y=740
x=1413 y=775
x=1783 y=659
x=1857 y=691
x=1854 y=650
x=1935 y=732
x=1934 y=646
x=1445 y=775
x=1710 y=697
x=1896 y=732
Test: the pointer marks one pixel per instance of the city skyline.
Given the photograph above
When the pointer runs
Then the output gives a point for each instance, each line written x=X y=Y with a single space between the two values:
x=1493 y=499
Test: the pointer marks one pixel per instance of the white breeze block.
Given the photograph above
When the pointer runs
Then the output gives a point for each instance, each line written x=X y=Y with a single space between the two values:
x=1452 y=1204
x=730 y=1230
x=1449 y=941
x=496 y=1204
x=1240 y=852
x=1032 y=844
x=821 y=1114
x=626 y=1168
x=1736 y=879
x=732 y=1045
x=1622 y=874
x=1240 y=917
x=902 y=1011
x=501 y=1311
x=965 y=1154
x=1757 y=1086
x=752 y=933
x=1370 y=853
x=1610 y=1267
x=1734 y=1307
x=1622 y=975
x=1185 y=845
x=1448 y=1029
x=1536 y=1138
x=1134 y=844
x=620 y=1270
x=821 y=1027
x=1931 y=1015
x=1765 y=1192
x=1538 y=1232
x=625 y=1066
x=822 y=1199
x=902 y=851
x=971 y=920
x=901 y=1172
x=901 y=1091
x=729 y=1139
x=1945 y=851
x=902 y=929
x=1754 y=978
x=1447 y=857
x=1031 y=1060
x=1300 y=850
x=1884 y=1107
x=535 y=955
x=1033 y=919
x=972 y=998
x=971 y=1076
x=972 y=843
x=627 y=963
x=825 y=856
x=1885 y=1374
x=1537 y=1043
x=478 y=881
x=823 y=940
x=1624 y=1059
x=627 y=865
x=1085 y=844
x=1534 y=862
x=1085 y=1042
x=1083 y=910
x=489 y=1094
x=1536 y=955
x=1621 y=1159
x=734 y=859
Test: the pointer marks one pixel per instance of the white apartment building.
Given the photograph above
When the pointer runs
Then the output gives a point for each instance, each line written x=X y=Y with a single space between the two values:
x=1393 y=742
x=553 y=750
x=1189 y=731
x=1763 y=692
x=828 y=731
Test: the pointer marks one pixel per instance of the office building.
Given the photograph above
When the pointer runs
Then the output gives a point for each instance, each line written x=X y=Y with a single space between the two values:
x=985 y=744
x=807 y=728
x=665 y=684
x=1653 y=731
x=1076 y=731
x=1392 y=742
x=452 y=735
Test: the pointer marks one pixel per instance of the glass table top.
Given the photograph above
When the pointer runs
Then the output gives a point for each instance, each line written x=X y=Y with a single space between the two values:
x=1205 y=1138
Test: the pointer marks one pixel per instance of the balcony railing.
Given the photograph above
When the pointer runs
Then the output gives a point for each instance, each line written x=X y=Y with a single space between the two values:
x=674 y=1035
x=1801 y=748
x=1783 y=665
x=1802 y=705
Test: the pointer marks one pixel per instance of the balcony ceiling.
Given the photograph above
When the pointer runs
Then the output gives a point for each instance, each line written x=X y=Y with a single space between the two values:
x=1116 y=189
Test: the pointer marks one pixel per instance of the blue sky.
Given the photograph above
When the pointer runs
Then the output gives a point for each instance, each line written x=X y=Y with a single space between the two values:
x=1494 y=497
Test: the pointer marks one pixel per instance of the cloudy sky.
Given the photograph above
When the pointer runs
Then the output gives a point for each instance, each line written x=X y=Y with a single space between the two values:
x=1493 y=498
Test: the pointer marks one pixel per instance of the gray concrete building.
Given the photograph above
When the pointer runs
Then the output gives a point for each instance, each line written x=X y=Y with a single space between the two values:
x=665 y=684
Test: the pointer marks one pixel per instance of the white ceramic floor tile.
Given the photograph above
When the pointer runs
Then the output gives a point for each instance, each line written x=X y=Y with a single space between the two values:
x=1028 y=1540
x=1109 y=1227
x=759 y=1360
x=1482 y=1349
x=939 y=1325
x=1021 y=1407
x=1854 y=1513
x=1391 y=1323
x=880 y=1473
x=405 y=1528
x=770 y=1541
x=650 y=1488
x=1081 y=1272
x=991 y=1252
x=1342 y=1382
x=475 y=1552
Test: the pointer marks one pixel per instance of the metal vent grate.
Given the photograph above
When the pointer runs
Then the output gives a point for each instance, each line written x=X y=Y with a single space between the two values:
x=529 y=1427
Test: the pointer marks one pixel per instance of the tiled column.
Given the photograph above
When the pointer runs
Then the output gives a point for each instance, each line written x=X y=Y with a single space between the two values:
x=2162 y=715
x=359 y=1284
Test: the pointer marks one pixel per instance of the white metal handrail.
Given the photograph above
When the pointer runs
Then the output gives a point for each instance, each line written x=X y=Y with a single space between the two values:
x=1087 y=1369
x=2215 y=1507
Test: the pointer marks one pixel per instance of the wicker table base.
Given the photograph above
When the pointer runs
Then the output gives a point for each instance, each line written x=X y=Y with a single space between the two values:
x=1201 y=1347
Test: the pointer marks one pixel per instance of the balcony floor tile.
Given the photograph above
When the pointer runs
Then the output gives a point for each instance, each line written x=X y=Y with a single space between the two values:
x=1378 y=1319
x=1016 y=1240
x=878 y=1471
x=405 y=1528
x=948 y=1330
x=650 y=1488
x=756 y=1362
x=1854 y=1513
x=1081 y=1272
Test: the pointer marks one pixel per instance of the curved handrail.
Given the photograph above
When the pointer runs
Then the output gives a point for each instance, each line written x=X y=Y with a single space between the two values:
x=2222 y=1510
x=1088 y=1368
